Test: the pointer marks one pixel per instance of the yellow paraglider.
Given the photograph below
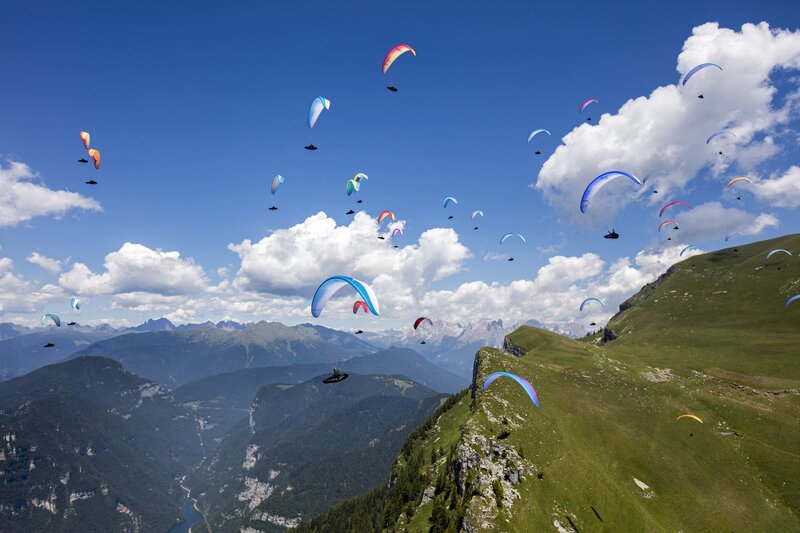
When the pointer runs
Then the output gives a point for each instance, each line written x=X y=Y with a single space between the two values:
x=688 y=415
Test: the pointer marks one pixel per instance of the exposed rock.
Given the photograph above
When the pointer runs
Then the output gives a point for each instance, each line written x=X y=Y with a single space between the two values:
x=251 y=456
x=427 y=495
x=659 y=375
x=608 y=335
x=255 y=492
x=510 y=347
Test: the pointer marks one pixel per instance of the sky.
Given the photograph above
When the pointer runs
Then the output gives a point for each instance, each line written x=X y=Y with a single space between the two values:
x=195 y=110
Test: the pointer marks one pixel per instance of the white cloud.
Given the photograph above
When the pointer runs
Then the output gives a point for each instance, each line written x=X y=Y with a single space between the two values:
x=557 y=290
x=667 y=129
x=22 y=200
x=51 y=265
x=222 y=272
x=18 y=295
x=295 y=260
x=135 y=269
x=781 y=191
x=712 y=221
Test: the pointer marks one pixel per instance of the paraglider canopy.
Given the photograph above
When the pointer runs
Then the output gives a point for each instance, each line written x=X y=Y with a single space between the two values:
x=447 y=201
x=600 y=181
x=592 y=299
x=476 y=213
x=587 y=102
x=330 y=286
x=689 y=415
x=75 y=303
x=86 y=138
x=95 y=155
x=520 y=380
x=276 y=181
x=534 y=133
x=317 y=105
x=47 y=317
x=690 y=247
x=384 y=214
x=360 y=304
x=509 y=235
x=734 y=180
x=718 y=133
x=697 y=69
x=393 y=54
x=778 y=250
x=671 y=204
x=422 y=319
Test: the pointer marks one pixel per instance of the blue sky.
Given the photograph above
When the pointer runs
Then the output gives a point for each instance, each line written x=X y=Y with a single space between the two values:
x=195 y=110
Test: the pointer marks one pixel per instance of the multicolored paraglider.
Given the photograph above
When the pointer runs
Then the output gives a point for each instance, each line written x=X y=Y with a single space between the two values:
x=75 y=303
x=390 y=58
x=600 y=181
x=422 y=319
x=360 y=304
x=384 y=215
x=592 y=299
x=520 y=380
x=778 y=250
x=351 y=187
x=48 y=317
x=585 y=104
x=397 y=231
x=330 y=286
x=697 y=69
x=276 y=181
x=667 y=222
x=734 y=180
x=670 y=204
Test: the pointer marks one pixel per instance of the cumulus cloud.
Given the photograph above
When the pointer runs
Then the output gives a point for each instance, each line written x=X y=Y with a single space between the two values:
x=18 y=295
x=779 y=191
x=712 y=221
x=293 y=261
x=667 y=129
x=51 y=265
x=135 y=273
x=21 y=199
x=557 y=290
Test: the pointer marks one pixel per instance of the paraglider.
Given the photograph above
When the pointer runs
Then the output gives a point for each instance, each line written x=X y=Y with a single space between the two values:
x=534 y=133
x=47 y=317
x=422 y=319
x=273 y=208
x=85 y=137
x=90 y=182
x=778 y=250
x=651 y=174
x=95 y=155
x=587 y=102
x=350 y=212
x=330 y=286
x=671 y=204
x=351 y=187
x=509 y=235
x=397 y=231
x=82 y=160
x=690 y=247
x=476 y=214
x=72 y=323
x=335 y=377
x=520 y=380
x=48 y=345
x=592 y=299
x=447 y=201
x=731 y=234
x=611 y=235
x=359 y=332
x=75 y=303
x=601 y=180
x=718 y=133
x=697 y=69
x=360 y=304
x=385 y=214
x=792 y=299
x=317 y=106
x=689 y=415
x=734 y=180
x=276 y=181
x=667 y=222
x=390 y=58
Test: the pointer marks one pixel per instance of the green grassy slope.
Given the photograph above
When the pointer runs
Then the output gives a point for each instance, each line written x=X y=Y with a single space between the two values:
x=713 y=340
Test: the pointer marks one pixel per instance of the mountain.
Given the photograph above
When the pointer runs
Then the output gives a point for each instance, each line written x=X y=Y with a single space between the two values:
x=307 y=446
x=222 y=400
x=23 y=353
x=452 y=346
x=176 y=357
x=87 y=446
x=9 y=330
x=606 y=450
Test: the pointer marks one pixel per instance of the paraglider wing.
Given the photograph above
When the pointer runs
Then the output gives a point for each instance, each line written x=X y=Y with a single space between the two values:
x=651 y=174
x=671 y=204
x=666 y=222
x=351 y=187
x=600 y=181
x=587 y=102
x=50 y=317
x=688 y=415
x=509 y=235
x=734 y=180
x=384 y=214
x=422 y=319
x=95 y=155
x=329 y=287
x=394 y=53
x=86 y=138
x=75 y=303
x=731 y=234
x=317 y=105
x=592 y=299
x=276 y=181
x=448 y=200
x=777 y=250
x=361 y=176
x=476 y=213
x=520 y=380
x=690 y=247
x=395 y=231
x=360 y=304
x=792 y=299
x=534 y=133
x=718 y=133
x=697 y=69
